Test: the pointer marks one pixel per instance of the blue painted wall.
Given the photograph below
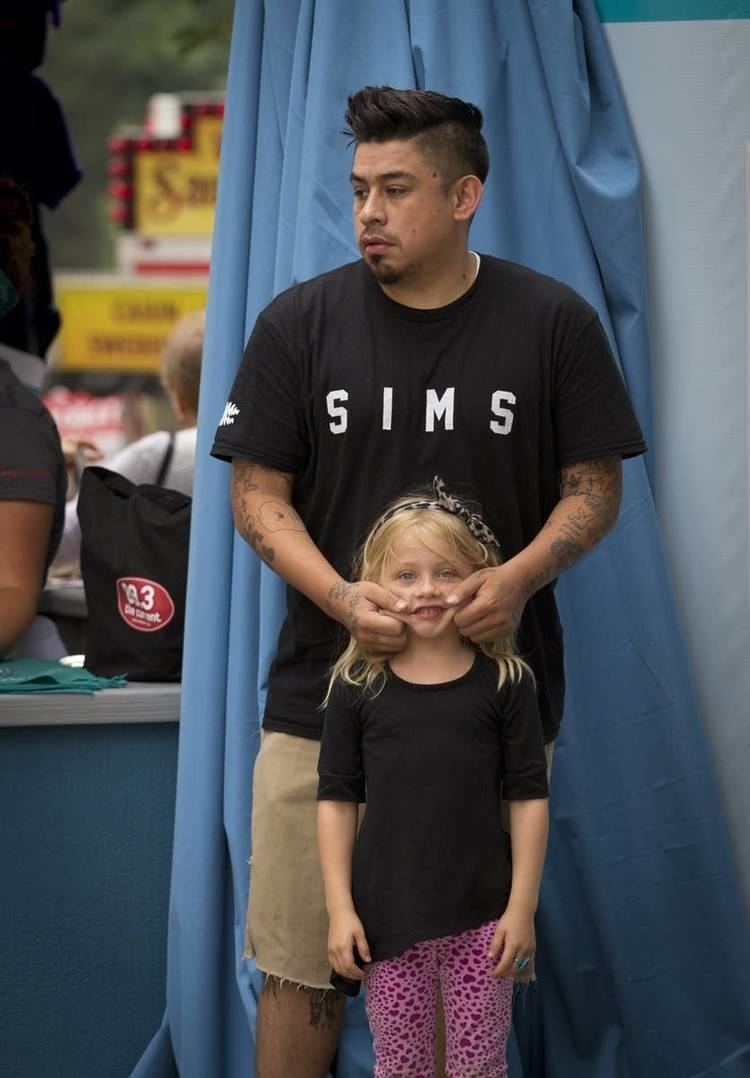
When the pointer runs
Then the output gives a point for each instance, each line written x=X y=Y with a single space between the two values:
x=86 y=819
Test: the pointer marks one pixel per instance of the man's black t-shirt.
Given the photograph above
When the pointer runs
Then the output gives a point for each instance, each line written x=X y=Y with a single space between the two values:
x=32 y=466
x=364 y=399
x=432 y=761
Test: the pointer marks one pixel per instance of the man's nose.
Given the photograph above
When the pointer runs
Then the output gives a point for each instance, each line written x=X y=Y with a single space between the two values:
x=372 y=209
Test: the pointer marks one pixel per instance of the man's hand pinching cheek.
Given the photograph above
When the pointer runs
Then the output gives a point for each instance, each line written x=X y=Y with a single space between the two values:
x=389 y=624
x=462 y=595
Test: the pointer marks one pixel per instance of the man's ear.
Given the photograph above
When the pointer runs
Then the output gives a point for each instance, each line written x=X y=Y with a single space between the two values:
x=467 y=194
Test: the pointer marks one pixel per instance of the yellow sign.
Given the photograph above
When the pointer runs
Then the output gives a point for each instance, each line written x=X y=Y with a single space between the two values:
x=115 y=324
x=175 y=190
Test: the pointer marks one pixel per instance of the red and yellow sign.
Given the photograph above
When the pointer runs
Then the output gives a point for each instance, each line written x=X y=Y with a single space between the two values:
x=175 y=189
x=112 y=323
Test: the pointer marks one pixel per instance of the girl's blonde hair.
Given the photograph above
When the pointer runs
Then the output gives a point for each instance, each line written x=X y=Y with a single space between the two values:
x=427 y=525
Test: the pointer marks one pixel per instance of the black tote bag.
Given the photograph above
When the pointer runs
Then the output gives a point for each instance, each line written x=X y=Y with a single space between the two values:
x=134 y=553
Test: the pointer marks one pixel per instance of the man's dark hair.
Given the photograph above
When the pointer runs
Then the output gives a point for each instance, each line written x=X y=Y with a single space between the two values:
x=448 y=129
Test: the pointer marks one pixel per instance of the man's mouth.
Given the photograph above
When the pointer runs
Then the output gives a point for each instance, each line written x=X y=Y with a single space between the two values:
x=374 y=245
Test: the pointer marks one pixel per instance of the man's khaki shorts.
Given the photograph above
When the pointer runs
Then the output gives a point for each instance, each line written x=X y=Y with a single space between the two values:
x=287 y=923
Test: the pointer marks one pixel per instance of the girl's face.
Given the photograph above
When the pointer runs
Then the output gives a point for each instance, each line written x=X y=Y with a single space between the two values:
x=424 y=576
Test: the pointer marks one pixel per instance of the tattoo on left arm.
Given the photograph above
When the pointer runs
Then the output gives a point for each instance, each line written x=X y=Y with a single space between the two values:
x=592 y=489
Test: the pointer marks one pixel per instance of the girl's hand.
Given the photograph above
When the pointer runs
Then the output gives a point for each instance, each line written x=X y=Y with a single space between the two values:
x=345 y=931
x=514 y=938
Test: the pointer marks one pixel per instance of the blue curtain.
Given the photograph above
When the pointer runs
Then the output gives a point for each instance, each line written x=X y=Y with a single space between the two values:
x=644 y=968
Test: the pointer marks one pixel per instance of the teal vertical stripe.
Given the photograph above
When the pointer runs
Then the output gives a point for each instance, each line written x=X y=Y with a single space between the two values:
x=671 y=10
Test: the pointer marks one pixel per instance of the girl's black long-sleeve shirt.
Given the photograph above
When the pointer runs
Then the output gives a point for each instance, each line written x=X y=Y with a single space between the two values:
x=432 y=762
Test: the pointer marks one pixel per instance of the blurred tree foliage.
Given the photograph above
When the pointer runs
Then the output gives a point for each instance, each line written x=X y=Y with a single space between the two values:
x=103 y=63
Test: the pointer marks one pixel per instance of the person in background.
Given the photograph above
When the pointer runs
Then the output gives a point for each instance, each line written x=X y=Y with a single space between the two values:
x=37 y=152
x=432 y=740
x=32 y=466
x=162 y=457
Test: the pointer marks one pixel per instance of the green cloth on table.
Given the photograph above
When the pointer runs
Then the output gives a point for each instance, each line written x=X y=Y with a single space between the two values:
x=46 y=675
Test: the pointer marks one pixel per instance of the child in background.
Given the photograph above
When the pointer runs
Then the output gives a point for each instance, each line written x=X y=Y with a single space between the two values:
x=424 y=897
x=162 y=458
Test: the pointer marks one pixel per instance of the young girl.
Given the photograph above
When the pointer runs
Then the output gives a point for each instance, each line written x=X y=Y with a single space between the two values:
x=423 y=897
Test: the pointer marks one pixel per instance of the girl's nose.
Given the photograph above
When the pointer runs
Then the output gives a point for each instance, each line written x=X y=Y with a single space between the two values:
x=427 y=586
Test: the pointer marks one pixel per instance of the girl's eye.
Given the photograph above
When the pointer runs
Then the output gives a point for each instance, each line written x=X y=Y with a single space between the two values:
x=448 y=572
x=406 y=574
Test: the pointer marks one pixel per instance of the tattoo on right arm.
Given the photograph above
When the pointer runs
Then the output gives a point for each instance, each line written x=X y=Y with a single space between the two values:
x=280 y=516
x=339 y=591
x=244 y=475
x=255 y=539
x=349 y=594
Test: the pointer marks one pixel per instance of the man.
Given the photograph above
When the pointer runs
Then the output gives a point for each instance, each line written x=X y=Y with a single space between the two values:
x=419 y=359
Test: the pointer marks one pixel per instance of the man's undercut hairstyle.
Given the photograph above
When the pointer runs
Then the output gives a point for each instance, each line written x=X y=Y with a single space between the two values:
x=448 y=129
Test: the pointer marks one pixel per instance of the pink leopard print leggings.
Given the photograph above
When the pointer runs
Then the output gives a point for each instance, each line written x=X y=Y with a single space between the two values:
x=401 y=1002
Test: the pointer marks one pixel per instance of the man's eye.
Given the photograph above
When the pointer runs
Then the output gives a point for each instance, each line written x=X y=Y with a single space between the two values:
x=396 y=191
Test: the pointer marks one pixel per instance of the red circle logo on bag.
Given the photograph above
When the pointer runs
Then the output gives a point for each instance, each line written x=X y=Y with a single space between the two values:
x=144 y=604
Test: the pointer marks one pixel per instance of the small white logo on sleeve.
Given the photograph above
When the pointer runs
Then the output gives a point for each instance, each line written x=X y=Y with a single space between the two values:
x=230 y=411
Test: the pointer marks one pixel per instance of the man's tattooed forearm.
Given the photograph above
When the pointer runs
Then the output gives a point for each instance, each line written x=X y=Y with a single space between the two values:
x=533 y=584
x=593 y=490
x=347 y=593
x=339 y=591
x=353 y=616
x=246 y=526
x=566 y=553
x=278 y=516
